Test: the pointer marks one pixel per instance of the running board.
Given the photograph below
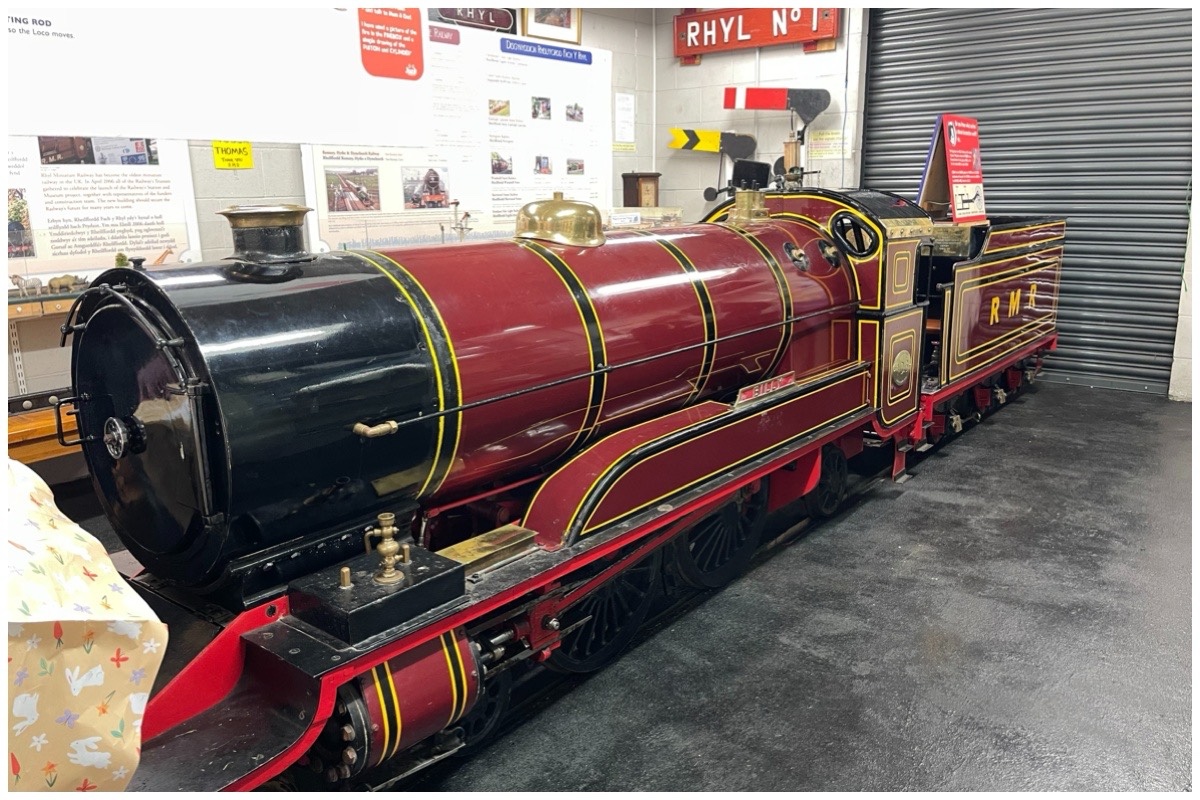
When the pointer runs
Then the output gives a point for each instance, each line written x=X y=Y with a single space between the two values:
x=644 y=469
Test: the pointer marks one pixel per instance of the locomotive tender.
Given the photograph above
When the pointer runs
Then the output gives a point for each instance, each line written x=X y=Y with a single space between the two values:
x=366 y=488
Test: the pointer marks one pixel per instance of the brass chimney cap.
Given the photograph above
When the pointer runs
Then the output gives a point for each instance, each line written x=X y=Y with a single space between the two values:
x=571 y=222
x=276 y=216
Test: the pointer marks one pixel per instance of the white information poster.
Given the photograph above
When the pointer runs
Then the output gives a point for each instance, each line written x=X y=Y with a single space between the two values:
x=416 y=129
x=76 y=202
x=512 y=120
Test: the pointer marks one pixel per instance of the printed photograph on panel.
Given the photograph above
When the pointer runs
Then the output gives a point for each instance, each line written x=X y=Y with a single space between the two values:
x=100 y=150
x=500 y=164
x=20 y=234
x=352 y=189
x=425 y=187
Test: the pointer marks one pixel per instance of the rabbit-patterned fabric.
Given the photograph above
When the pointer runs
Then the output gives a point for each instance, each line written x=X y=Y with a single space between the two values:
x=83 y=651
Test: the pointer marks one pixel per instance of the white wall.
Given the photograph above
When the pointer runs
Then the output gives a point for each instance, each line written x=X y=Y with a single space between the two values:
x=692 y=97
x=1181 y=368
x=629 y=35
x=276 y=177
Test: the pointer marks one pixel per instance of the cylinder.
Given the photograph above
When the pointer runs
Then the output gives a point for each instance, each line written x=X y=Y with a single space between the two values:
x=415 y=695
x=388 y=709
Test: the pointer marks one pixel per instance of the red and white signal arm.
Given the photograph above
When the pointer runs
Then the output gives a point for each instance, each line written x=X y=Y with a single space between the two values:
x=757 y=98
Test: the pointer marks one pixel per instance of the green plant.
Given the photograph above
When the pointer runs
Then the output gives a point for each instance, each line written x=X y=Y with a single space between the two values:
x=122 y=260
x=18 y=210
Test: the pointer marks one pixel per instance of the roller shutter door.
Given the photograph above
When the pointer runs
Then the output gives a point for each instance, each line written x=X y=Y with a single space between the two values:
x=1084 y=113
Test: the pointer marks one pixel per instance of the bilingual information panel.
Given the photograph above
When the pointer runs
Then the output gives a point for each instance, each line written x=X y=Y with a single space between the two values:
x=964 y=168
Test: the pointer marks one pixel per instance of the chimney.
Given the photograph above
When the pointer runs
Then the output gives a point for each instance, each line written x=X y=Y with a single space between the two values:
x=268 y=235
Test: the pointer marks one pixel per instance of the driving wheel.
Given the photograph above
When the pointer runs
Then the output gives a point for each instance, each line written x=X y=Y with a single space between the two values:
x=613 y=614
x=716 y=549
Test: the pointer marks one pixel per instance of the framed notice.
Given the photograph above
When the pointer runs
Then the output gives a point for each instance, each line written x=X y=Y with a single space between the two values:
x=952 y=184
x=556 y=24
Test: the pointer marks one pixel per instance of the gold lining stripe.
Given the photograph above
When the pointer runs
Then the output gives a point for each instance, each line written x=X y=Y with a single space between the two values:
x=785 y=294
x=708 y=313
x=1034 y=335
x=892 y=340
x=453 y=363
x=462 y=676
x=1048 y=316
x=880 y=393
x=1057 y=229
x=853 y=262
x=910 y=256
x=396 y=705
x=383 y=715
x=944 y=366
x=588 y=527
x=598 y=359
x=914 y=375
x=596 y=480
x=453 y=682
x=872 y=384
x=1048 y=327
x=437 y=370
x=1049 y=260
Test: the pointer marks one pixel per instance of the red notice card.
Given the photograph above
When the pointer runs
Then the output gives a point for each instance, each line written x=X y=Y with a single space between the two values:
x=390 y=39
x=963 y=168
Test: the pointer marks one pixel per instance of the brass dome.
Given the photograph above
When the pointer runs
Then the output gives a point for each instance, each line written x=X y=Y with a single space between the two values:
x=571 y=222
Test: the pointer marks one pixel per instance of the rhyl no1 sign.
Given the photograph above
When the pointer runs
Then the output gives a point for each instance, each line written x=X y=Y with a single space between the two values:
x=735 y=28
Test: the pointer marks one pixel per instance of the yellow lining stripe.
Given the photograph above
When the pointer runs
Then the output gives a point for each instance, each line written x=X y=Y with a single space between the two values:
x=1044 y=328
x=453 y=682
x=1031 y=335
x=892 y=341
x=437 y=371
x=880 y=390
x=806 y=395
x=383 y=715
x=944 y=366
x=396 y=705
x=785 y=294
x=453 y=363
x=1049 y=316
x=1056 y=229
x=708 y=313
x=596 y=480
x=1048 y=260
x=598 y=360
x=462 y=676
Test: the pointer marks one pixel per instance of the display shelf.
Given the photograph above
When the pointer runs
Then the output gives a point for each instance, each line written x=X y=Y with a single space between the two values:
x=33 y=437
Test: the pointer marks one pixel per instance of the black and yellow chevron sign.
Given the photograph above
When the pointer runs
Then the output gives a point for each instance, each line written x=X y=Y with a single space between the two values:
x=690 y=139
x=734 y=145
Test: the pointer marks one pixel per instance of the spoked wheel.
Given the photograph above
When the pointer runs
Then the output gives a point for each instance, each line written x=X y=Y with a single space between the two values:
x=479 y=725
x=716 y=549
x=614 y=612
x=824 y=501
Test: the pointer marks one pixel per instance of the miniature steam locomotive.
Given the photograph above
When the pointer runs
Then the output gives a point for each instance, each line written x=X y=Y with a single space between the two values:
x=366 y=488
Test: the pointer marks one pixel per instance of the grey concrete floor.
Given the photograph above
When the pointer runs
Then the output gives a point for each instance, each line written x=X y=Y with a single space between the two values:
x=1017 y=616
